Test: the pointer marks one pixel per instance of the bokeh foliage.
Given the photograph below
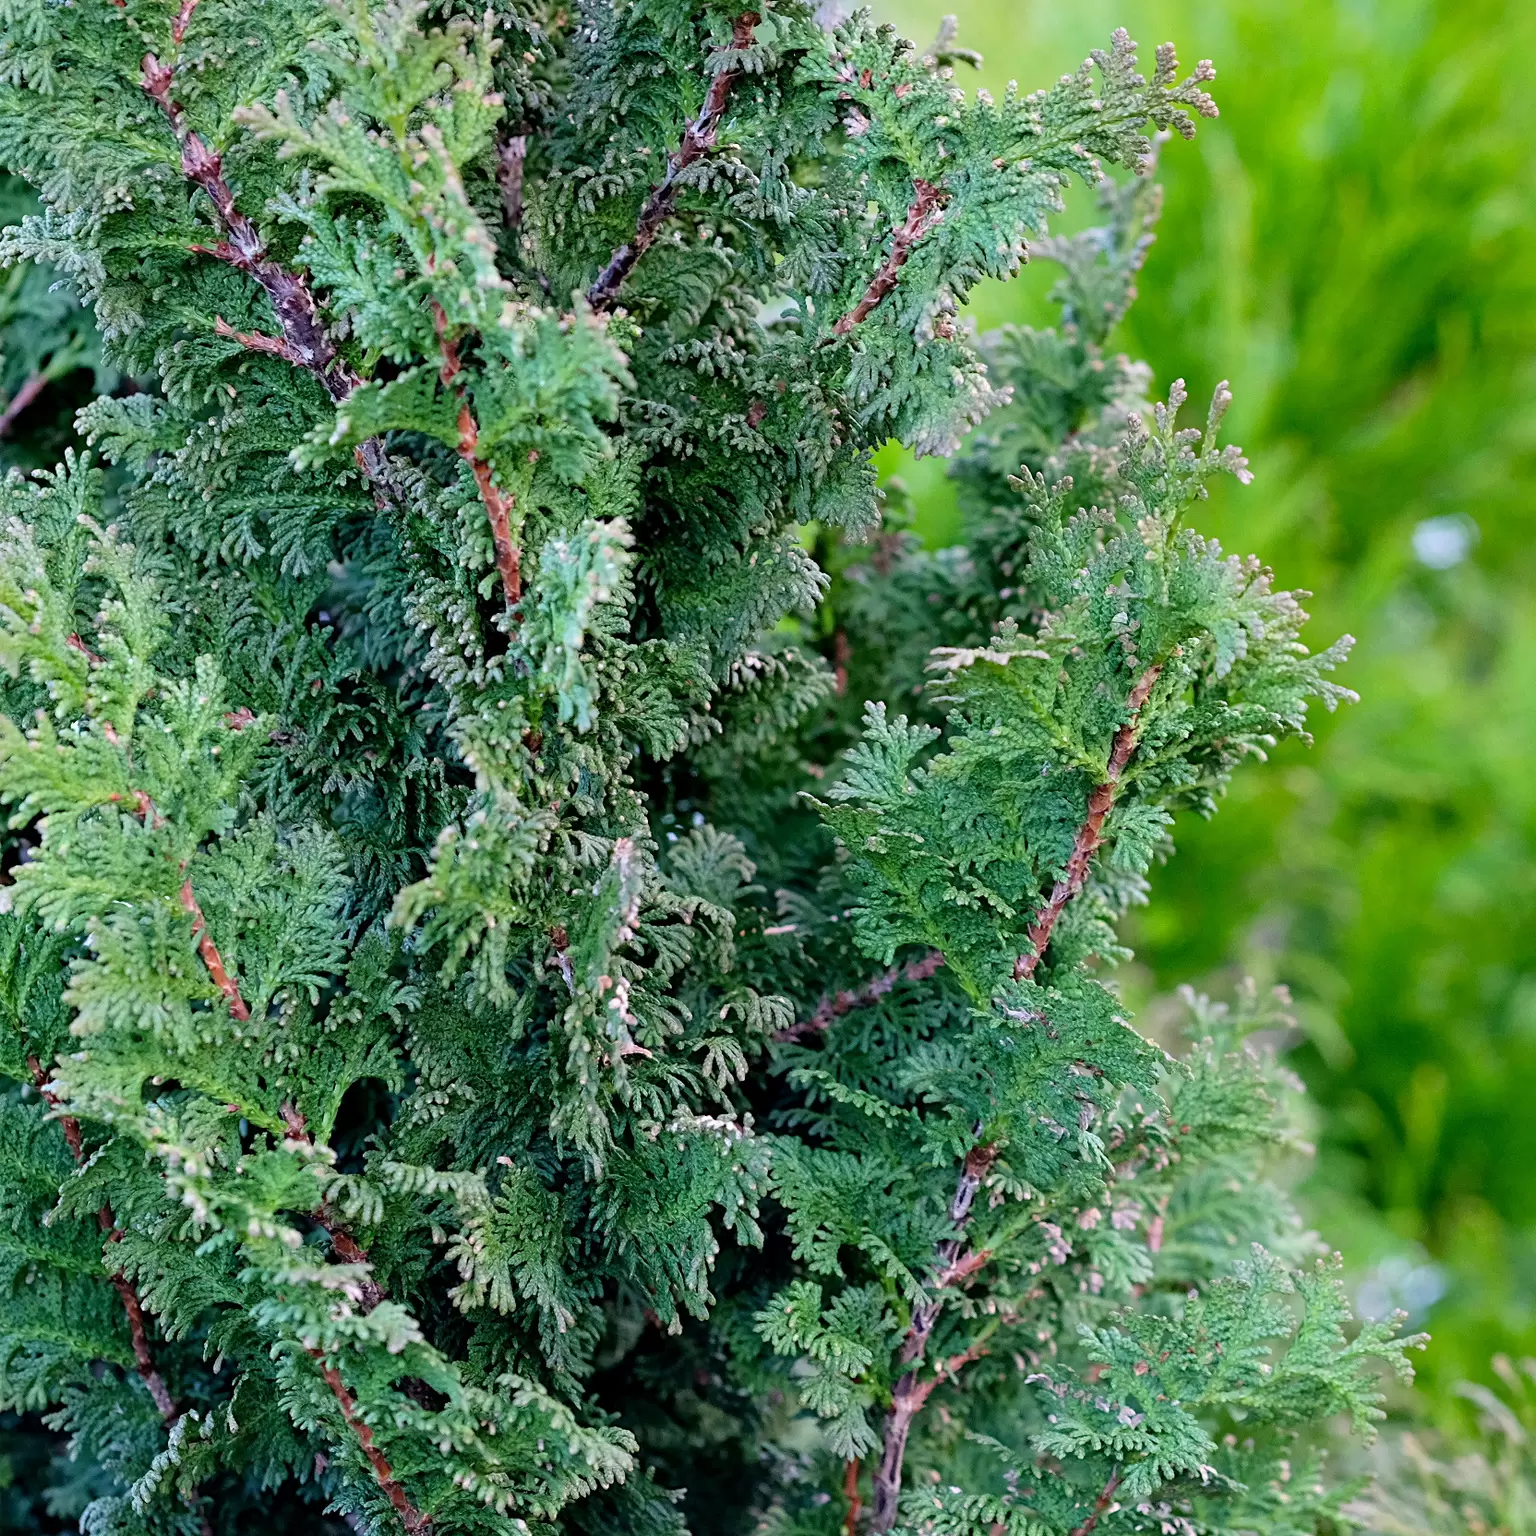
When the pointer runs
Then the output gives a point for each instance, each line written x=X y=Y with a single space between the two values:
x=1354 y=245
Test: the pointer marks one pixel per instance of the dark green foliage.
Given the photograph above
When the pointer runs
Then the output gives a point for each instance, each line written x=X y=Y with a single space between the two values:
x=449 y=1086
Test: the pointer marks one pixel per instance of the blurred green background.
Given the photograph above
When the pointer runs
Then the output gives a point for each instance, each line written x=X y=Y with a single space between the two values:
x=1353 y=244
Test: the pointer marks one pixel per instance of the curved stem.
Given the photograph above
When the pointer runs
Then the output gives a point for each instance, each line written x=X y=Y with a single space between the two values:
x=926 y=210
x=1086 y=843
x=910 y=1391
x=497 y=503
x=698 y=140
x=835 y=1004
x=211 y=958
x=1100 y=1505
x=951 y=1264
x=383 y=1474
x=304 y=341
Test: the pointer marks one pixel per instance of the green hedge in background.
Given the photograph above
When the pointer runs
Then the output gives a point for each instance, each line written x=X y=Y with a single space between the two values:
x=1354 y=245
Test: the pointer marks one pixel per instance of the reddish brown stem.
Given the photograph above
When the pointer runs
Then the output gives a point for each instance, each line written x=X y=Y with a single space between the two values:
x=910 y=1391
x=141 y=1352
x=1100 y=1505
x=211 y=957
x=143 y=806
x=143 y=1357
x=851 y=1493
x=343 y=1244
x=182 y=22
x=698 y=140
x=304 y=342
x=498 y=505
x=948 y=1370
x=243 y=248
x=206 y=948
x=962 y=1267
x=67 y=1123
x=1088 y=838
x=383 y=1474
x=926 y=210
x=350 y=1251
x=257 y=341
x=75 y=643
x=835 y=1005
x=498 y=509
x=30 y=389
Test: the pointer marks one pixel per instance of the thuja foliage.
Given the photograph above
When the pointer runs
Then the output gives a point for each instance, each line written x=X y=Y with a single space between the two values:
x=496 y=1040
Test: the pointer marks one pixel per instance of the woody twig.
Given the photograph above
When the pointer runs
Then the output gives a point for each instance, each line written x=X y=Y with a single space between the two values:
x=698 y=140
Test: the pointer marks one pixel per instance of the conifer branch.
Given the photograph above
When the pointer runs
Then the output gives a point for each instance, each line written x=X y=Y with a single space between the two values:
x=305 y=342
x=207 y=950
x=910 y=1391
x=75 y=643
x=953 y=1266
x=926 y=210
x=143 y=1358
x=67 y=1123
x=383 y=1474
x=497 y=503
x=257 y=341
x=243 y=248
x=182 y=21
x=350 y=1251
x=210 y=955
x=370 y=1294
x=949 y=1370
x=1086 y=843
x=698 y=140
x=624 y=651
x=344 y=1245
x=1100 y=1505
x=833 y=1006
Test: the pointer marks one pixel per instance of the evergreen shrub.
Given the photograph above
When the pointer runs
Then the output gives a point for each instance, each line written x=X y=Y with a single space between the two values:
x=502 y=1035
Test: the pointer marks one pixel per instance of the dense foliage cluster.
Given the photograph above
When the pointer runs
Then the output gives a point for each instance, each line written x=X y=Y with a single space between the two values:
x=495 y=1042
